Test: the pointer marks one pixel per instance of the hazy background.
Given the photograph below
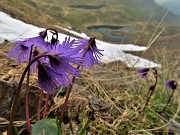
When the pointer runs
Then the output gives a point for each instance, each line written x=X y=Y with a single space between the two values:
x=173 y=5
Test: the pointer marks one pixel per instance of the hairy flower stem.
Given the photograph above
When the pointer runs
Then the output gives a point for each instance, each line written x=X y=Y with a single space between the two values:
x=27 y=96
x=46 y=105
x=71 y=85
x=163 y=110
x=39 y=105
x=151 y=91
x=16 y=96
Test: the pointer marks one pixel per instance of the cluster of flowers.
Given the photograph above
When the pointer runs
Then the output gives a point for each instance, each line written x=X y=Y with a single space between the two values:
x=56 y=68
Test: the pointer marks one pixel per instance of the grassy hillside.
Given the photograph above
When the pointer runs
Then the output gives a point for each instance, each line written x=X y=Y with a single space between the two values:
x=80 y=14
x=25 y=12
x=116 y=12
x=28 y=13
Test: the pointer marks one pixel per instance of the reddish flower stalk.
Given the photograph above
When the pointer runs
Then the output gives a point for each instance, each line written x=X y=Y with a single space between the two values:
x=27 y=103
x=46 y=105
x=27 y=97
x=15 y=100
x=170 y=84
x=151 y=90
x=39 y=105
x=163 y=110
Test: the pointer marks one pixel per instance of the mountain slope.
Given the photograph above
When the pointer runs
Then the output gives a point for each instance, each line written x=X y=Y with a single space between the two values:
x=25 y=12
x=80 y=12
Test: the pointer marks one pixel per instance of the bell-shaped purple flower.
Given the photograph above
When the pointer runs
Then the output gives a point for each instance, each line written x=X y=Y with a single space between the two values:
x=143 y=72
x=92 y=55
x=40 y=41
x=171 y=84
x=61 y=65
x=20 y=52
x=67 y=50
x=48 y=79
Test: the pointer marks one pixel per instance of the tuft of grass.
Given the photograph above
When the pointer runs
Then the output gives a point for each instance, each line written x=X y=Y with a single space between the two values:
x=128 y=92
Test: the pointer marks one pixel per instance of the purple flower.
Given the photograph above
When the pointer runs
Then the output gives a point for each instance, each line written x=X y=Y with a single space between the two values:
x=67 y=48
x=22 y=49
x=20 y=52
x=143 y=72
x=48 y=79
x=93 y=54
x=56 y=69
x=39 y=41
x=171 y=84
x=62 y=66
x=33 y=67
x=36 y=42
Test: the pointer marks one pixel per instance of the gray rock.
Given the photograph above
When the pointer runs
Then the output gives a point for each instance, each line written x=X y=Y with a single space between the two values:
x=7 y=91
x=99 y=105
x=174 y=126
x=6 y=94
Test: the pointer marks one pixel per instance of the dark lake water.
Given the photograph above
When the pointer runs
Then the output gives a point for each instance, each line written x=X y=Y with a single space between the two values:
x=105 y=30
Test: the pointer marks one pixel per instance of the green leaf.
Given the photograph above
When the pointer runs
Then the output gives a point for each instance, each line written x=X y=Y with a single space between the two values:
x=15 y=130
x=45 y=126
x=83 y=131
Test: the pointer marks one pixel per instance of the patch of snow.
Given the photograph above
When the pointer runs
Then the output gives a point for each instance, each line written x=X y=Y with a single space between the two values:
x=12 y=29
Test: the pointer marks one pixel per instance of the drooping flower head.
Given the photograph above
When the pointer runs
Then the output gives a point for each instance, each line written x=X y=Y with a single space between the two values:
x=20 y=52
x=171 y=84
x=22 y=48
x=62 y=66
x=48 y=79
x=67 y=49
x=92 y=55
x=38 y=41
x=143 y=72
x=43 y=40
